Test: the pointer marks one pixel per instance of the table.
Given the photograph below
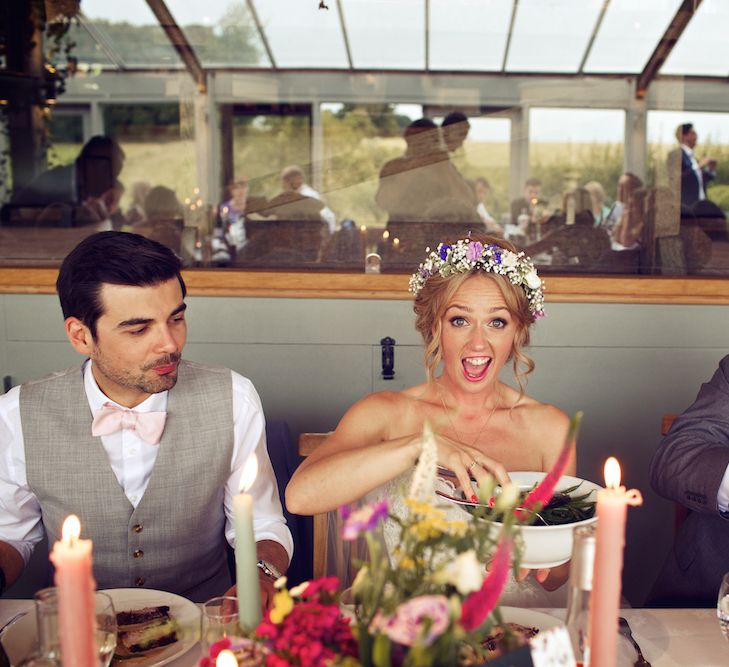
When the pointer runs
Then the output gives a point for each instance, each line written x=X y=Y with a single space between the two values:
x=668 y=637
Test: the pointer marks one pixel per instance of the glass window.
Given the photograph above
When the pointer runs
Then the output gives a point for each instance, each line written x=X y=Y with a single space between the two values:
x=628 y=34
x=551 y=35
x=467 y=35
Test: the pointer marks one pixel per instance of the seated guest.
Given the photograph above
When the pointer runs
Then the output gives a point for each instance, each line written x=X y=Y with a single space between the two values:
x=482 y=188
x=691 y=467
x=232 y=213
x=292 y=179
x=147 y=449
x=136 y=212
x=474 y=318
x=423 y=175
x=597 y=201
x=531 y=203
x=163 y=218
x=626 y=220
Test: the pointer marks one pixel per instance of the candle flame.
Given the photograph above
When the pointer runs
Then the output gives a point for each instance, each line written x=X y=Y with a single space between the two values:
x=386 y=235
x=250 y=470
x=396 y=241
x=612 y=473
x=71 y=529
x=363 y=228
x=226 y=658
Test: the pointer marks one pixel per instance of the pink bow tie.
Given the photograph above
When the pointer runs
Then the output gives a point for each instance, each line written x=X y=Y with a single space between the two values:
x=110 y=419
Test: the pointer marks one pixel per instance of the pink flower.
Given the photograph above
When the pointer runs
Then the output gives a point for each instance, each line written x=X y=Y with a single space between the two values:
x=479 y=604
x=408 y=622
x=544 y=491
x=473 y=251
x=362 y=520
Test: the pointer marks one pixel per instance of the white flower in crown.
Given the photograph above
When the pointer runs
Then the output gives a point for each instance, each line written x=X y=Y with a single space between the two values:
x=465 y=255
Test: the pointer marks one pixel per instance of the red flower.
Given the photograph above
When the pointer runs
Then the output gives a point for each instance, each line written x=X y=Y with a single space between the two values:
x=479 y=604
x=544 y=491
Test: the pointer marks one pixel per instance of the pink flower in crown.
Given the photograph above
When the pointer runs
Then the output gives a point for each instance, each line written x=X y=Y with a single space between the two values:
x=405 y=626
x=474 y=251
x=362 y=520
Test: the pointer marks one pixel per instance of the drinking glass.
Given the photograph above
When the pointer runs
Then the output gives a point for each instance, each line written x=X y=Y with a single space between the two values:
x=219 y=620
x=106 y=630
x=49 y=647
x=722 y=606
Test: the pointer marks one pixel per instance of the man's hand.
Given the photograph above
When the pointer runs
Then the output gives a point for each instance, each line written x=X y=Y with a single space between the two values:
x=267 y=591
x=550 y=578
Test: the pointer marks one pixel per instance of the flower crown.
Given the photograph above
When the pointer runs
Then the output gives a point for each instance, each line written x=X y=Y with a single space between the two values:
x=466 y=254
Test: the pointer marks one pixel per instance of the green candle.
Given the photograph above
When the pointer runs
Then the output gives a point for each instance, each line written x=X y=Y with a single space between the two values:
x=246 y=557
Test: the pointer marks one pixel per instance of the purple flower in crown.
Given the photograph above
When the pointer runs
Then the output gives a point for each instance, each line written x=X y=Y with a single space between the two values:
x=443 y=251
x=362 y=520
x=474 y=251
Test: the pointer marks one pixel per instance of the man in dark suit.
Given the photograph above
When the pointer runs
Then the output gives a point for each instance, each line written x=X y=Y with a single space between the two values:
x=691 y=467
x=694 y=175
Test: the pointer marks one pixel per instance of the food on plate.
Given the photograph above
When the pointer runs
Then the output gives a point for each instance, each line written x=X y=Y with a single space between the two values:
x=142 y=631
x=505 y=639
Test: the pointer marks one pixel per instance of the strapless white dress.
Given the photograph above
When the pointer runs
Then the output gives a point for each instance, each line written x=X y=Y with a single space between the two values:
x=528 y=593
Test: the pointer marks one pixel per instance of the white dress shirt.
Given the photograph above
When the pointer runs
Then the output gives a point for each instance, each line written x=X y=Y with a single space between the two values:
x=326 y=214
x=132 y=461
x=697 y=170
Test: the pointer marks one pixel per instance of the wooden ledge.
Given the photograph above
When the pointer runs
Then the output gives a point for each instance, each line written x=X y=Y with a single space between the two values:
x=311 y=285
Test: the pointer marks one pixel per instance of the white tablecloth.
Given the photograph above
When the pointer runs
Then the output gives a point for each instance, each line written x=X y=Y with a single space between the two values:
x=668 y=637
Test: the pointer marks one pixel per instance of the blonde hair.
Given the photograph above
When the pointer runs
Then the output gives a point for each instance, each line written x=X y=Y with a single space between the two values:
x=432 y=301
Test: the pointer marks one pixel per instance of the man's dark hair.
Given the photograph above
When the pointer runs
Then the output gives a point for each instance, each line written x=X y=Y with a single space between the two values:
x=682 y=130
x=532 y=182
x=113 y=258
x=454 y=117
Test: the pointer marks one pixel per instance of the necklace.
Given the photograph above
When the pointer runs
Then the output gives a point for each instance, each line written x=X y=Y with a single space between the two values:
x=483 y=426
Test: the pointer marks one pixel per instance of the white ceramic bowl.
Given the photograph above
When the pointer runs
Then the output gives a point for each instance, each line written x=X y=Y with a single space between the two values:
x=549 y=546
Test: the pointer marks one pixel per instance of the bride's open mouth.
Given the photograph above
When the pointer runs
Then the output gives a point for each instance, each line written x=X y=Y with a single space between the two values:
x=475 y=368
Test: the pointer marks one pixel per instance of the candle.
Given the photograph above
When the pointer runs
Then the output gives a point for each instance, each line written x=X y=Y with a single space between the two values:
x=71 y=557
x=226 y=658
x=246 y=557
x=612 y=505
x=385 y=235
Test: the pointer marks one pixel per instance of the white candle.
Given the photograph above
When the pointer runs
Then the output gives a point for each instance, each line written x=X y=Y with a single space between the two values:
x=612 y=505
x=71 y=557
x=246 y=556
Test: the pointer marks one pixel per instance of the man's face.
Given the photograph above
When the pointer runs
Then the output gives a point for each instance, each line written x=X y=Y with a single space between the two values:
x=532 y=192
x=690 y=138
x=139 y=340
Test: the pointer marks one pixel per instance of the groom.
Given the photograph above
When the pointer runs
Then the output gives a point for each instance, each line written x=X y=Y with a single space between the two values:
x=147 y=449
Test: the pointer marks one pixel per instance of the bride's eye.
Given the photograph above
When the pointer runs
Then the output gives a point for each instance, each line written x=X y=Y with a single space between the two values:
x=458 y=321
x=499 y=323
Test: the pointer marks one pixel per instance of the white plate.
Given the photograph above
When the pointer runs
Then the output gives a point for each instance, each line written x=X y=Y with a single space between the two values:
x=530 y=618
x=20 y=638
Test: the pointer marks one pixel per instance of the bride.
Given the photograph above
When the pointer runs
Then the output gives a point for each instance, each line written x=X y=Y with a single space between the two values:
x=475 y=301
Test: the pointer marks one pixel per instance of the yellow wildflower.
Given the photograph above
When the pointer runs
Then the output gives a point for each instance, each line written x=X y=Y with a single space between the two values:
x=283 y=603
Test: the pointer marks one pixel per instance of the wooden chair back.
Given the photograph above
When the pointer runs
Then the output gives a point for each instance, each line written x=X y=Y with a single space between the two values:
x=680 y=512
x=308 y=442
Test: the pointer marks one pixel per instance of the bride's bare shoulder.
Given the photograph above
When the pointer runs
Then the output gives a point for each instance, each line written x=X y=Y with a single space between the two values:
x=535 y=415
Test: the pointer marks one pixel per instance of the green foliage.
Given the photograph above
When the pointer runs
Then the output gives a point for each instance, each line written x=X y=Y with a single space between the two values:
x=719 y=194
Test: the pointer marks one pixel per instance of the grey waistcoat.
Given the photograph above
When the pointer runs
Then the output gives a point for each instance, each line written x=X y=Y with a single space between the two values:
x=174 y=539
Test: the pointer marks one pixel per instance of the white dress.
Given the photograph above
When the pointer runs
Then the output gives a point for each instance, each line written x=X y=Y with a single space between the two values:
x=528 y=593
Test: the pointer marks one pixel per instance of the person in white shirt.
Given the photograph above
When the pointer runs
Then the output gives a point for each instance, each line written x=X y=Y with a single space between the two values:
x=155 y=498
x=292 y=179
x=686 y=171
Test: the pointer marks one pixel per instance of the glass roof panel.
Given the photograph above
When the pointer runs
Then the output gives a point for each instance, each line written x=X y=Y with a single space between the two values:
x=86 y=50
x=551 y=35
x=386 y=34
x=302 y=35
x=222 y=32
x=703 y=48
x=628 y=35
x=468 y=35
x=132 y=30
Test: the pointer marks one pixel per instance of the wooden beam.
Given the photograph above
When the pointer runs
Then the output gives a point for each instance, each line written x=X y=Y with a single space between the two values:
x=664 y=47
x=178 y=39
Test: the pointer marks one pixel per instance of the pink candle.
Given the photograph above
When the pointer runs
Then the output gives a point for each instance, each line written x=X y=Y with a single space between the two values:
x=76 y=609
x=612 y=504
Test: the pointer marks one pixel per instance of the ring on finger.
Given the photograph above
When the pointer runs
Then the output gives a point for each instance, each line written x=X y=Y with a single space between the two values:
x=474 y=463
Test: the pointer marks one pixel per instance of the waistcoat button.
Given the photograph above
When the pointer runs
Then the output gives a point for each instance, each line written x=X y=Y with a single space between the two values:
x=139 y=581
x=137 y=528
x=138 y=553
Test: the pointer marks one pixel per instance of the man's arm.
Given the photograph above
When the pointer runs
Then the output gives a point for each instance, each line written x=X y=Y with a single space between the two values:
x=11 y=563
x=691 y=461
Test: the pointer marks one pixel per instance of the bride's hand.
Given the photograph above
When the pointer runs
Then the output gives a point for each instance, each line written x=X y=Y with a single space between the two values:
x=465 y=461
x=550 y=578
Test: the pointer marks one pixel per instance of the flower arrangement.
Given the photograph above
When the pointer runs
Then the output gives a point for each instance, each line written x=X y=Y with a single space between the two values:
x=466 y=255
x=430 y=603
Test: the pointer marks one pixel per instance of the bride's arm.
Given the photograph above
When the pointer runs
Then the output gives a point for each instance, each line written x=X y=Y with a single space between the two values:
x=354 y=460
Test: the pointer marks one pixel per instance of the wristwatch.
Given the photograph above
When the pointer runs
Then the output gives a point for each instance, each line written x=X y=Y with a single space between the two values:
x=271 y=571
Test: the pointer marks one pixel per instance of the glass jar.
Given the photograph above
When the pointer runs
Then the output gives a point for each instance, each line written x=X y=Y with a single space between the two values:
x=49 y=647
x=580 y=588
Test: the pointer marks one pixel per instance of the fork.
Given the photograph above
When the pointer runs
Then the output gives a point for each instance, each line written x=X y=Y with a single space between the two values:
x=624 y=629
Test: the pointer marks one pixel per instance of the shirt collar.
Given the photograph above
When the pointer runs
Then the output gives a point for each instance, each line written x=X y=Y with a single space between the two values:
x=97 y=398
x=687 y=150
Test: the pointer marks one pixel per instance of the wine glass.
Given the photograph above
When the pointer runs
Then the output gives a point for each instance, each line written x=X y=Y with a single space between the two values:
x=219 y=620
x=106 y=629
x=722 y=605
